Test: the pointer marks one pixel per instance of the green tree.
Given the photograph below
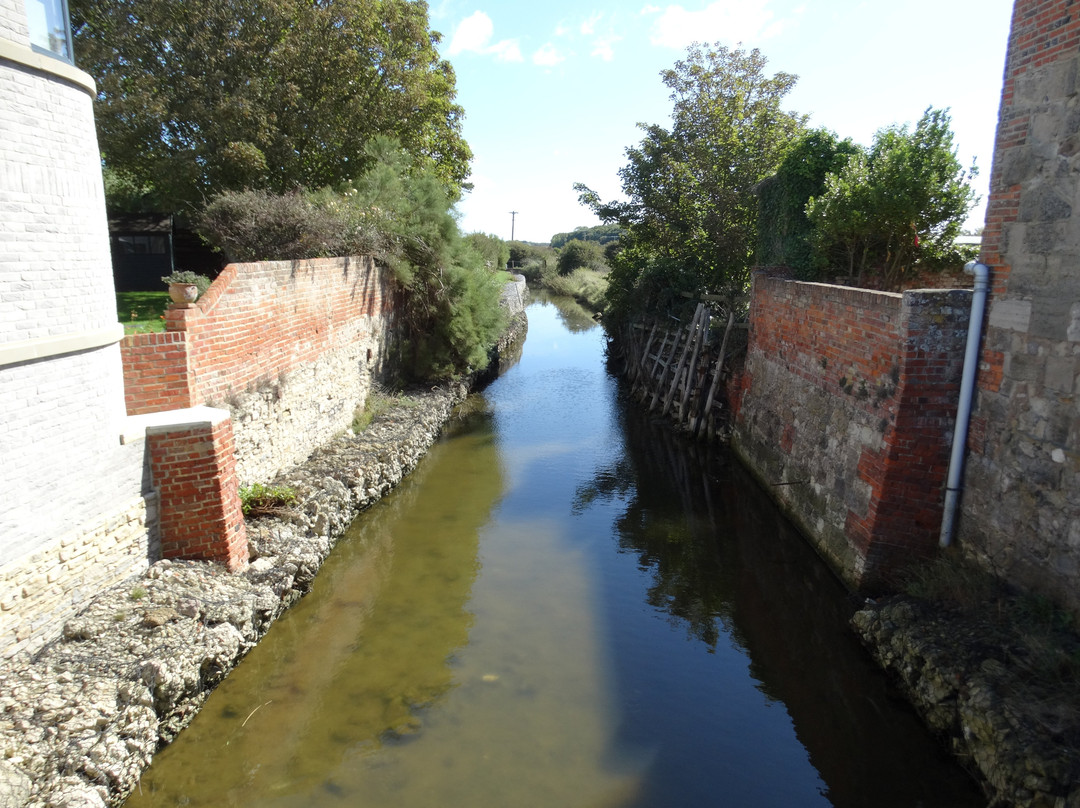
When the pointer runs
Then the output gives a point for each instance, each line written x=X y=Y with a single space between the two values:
x=601 y=233
x=204 y=96
x=449 y=308
x=785 y=233
x=690 y=220
x=897 y=207
x=577 y=254
x=494 y=250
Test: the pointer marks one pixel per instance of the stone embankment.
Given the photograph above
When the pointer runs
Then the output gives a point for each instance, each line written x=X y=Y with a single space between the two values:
x=80 y=723
x=980 y=684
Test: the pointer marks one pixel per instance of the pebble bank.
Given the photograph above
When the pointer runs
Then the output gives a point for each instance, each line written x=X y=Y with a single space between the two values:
x=81 y=721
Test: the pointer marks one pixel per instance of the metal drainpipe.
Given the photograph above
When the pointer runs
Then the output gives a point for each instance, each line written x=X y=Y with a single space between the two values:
x=967 y=392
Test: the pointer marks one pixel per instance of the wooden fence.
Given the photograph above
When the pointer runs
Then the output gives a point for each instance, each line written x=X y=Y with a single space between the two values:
x=677 y=368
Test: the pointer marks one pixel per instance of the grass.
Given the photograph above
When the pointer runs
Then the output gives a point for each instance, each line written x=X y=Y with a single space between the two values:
x=379 y=401
x=1037 y=636
x=142 y=311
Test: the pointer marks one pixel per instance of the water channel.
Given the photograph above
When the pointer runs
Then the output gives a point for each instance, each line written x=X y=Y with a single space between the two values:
x=564 y=606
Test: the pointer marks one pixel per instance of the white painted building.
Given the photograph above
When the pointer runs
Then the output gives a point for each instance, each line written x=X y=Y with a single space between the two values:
x=66 y=482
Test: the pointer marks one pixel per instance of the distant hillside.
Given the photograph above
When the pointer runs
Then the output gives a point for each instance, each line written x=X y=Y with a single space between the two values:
x=601 y=234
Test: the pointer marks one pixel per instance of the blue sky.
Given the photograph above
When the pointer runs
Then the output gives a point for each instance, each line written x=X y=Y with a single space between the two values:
x=553 y=89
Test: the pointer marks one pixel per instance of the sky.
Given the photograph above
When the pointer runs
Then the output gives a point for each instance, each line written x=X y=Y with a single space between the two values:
x=553 y=90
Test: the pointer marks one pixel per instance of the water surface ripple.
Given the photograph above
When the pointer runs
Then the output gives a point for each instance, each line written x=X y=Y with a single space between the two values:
x=564 y=606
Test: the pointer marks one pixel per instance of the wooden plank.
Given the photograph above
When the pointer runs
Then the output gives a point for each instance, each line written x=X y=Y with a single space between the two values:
x=703 y=332
x=682 y=359
x=706 y=413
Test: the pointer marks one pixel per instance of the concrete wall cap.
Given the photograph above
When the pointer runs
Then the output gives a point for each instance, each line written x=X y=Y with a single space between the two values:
x=137 y=427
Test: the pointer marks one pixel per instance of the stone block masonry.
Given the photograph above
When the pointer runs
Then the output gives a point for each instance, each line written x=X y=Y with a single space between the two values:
x=846 y=410
x=1020 y=507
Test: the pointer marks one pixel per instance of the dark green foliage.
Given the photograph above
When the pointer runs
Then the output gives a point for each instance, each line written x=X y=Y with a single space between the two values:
x=785 y=234
x=601 y=234
x=450 y=308
x=495 y=251
x=203 y=96
x=260 y=225
x=578 y=254
x=895 y=208
x=520 y=253
x=690 y=222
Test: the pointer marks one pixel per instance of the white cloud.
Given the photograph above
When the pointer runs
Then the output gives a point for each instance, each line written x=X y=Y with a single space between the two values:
x=727 y=20
x=473 y=35
x=589 y=26
x=507 y=51
x=547 y=56
x=603 y=46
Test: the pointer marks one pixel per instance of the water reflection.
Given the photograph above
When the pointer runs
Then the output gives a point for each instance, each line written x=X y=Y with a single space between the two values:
x=724 y=568
x=565 y=606
x=348 y=669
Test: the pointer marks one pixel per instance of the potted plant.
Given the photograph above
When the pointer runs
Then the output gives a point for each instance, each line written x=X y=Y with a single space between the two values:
x=185 y=286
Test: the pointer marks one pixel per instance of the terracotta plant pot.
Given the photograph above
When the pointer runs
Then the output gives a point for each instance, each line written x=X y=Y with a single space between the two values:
x=183 y=294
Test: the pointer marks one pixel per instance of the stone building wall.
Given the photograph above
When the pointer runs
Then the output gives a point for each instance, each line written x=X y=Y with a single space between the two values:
x=846 y=410
x=64 y=473
x=1021 y=499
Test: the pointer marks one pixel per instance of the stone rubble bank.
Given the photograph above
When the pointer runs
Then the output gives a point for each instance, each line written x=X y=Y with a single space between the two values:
x=81 y=721
x=1018 y=733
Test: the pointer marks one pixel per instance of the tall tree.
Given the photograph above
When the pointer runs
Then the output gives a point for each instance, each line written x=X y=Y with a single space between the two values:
x=210 y=95
x=896 y=207
x=691 y=214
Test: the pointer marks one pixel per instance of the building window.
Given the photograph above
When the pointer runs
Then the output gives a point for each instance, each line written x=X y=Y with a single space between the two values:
x=50 y=28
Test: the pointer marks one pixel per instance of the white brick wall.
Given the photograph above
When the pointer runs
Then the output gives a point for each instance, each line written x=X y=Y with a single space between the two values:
x=55 y=268
x=13 y=21
x=72 y=514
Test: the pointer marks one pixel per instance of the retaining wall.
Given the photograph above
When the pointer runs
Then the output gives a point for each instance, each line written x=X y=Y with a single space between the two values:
x=846 y=411
x=290 y=347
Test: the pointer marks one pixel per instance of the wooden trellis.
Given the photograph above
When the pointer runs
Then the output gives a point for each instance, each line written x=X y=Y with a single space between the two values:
x=677 y=368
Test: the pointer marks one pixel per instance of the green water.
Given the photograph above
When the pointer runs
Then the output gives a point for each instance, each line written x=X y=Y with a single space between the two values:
x=562 y=606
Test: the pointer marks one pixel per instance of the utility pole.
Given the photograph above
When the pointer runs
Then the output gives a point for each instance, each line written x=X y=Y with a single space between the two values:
x=513 y=216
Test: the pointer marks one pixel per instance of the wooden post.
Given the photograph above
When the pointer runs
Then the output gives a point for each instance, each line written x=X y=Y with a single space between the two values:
x=717 y=373
x=682 y=359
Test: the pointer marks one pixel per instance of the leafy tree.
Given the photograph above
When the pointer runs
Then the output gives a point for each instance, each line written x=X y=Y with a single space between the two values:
x=898 y=206
x=204 y=96
x=450 y=304
x=494 y=250
x=785 y=234
x=691 y=216
x=578 y=254
x=519 y=253
x=601 y=234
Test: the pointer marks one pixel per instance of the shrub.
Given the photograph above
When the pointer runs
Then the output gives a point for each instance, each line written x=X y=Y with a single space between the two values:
x=896 y=207
x=450 y=310
x=259 y=499
x=263 y=226
x=576 y=254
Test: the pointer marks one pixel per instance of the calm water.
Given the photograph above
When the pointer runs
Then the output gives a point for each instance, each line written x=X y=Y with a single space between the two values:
x=562 y=607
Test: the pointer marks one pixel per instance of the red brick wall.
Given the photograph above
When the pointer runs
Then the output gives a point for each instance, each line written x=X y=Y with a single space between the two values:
x=255 y=322
x=156 y=372
x=847 y=401
x=193 y=468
